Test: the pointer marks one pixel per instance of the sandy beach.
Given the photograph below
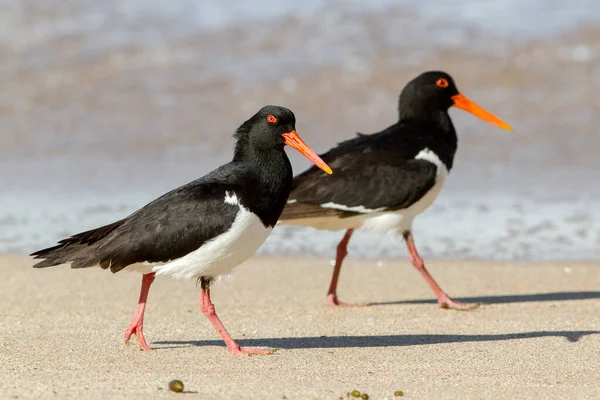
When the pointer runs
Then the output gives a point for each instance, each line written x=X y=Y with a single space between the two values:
x=106 y=105
x=537 y=334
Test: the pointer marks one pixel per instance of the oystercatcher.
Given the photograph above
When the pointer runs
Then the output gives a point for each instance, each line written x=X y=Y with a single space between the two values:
x=202 y=229
x=384 y=180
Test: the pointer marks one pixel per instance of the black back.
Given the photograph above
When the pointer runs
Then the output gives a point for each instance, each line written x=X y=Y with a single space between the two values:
x=379 y=171
x=183 y=219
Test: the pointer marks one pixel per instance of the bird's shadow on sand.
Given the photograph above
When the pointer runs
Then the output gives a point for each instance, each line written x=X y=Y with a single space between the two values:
x=332 y=342
x=329 y=342
x=506 y=299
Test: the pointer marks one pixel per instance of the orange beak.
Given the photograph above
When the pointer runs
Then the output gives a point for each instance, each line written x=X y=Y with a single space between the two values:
x=463 y=103
x=293 y=140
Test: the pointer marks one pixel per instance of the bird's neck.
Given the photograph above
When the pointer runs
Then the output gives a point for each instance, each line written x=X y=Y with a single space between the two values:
x=440 y=130
x=437 y=119
x=272 y=182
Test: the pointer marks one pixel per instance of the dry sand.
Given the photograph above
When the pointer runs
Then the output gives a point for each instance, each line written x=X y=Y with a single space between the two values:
x=537 y=336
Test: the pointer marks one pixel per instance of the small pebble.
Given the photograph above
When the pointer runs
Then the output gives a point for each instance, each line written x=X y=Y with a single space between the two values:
x=364 y=396
x=176 y=386
x=398 y=393
x=355 y=393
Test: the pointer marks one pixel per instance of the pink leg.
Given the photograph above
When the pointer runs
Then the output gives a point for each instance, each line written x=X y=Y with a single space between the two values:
x=208 y=309
x=443 y=299
x=342 y=252
x=137 y=324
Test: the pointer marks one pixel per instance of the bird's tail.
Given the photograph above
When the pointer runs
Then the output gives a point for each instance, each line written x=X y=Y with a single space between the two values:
x=79 y=249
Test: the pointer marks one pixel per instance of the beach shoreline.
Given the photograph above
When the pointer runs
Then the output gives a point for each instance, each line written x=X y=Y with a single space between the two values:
x=95 y=126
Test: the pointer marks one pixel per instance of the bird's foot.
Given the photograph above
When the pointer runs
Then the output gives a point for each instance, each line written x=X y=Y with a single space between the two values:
x=447 y=302
x=335 y=302
x=136 y=329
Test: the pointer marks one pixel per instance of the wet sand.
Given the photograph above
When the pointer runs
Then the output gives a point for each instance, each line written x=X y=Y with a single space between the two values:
x=536 y=336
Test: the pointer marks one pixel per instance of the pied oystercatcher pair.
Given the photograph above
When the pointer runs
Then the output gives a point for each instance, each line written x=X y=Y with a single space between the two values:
x=384 y=180
x=202 y=229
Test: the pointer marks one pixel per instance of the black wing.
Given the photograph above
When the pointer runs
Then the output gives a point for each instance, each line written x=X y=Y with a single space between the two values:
x=377 y=172
x=170 y=227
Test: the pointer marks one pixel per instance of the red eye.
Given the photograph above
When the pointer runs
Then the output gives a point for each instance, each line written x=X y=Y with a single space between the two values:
x=271 y=119
x=442 y=83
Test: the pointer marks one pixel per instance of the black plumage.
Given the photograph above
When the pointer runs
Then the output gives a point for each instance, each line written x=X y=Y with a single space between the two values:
x=183 y=219
x=379 y=171
x=376 y=171
x=166 y=229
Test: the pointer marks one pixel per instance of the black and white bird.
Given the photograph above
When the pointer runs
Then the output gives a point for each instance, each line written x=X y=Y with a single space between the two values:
x=202 y=229
x=384 y=180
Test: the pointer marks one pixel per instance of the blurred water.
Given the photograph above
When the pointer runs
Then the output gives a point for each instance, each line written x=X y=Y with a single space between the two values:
x=106 y=105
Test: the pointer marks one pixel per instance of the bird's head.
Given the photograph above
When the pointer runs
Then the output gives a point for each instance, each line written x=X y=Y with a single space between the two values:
x=274 y=127
x=435 y=91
